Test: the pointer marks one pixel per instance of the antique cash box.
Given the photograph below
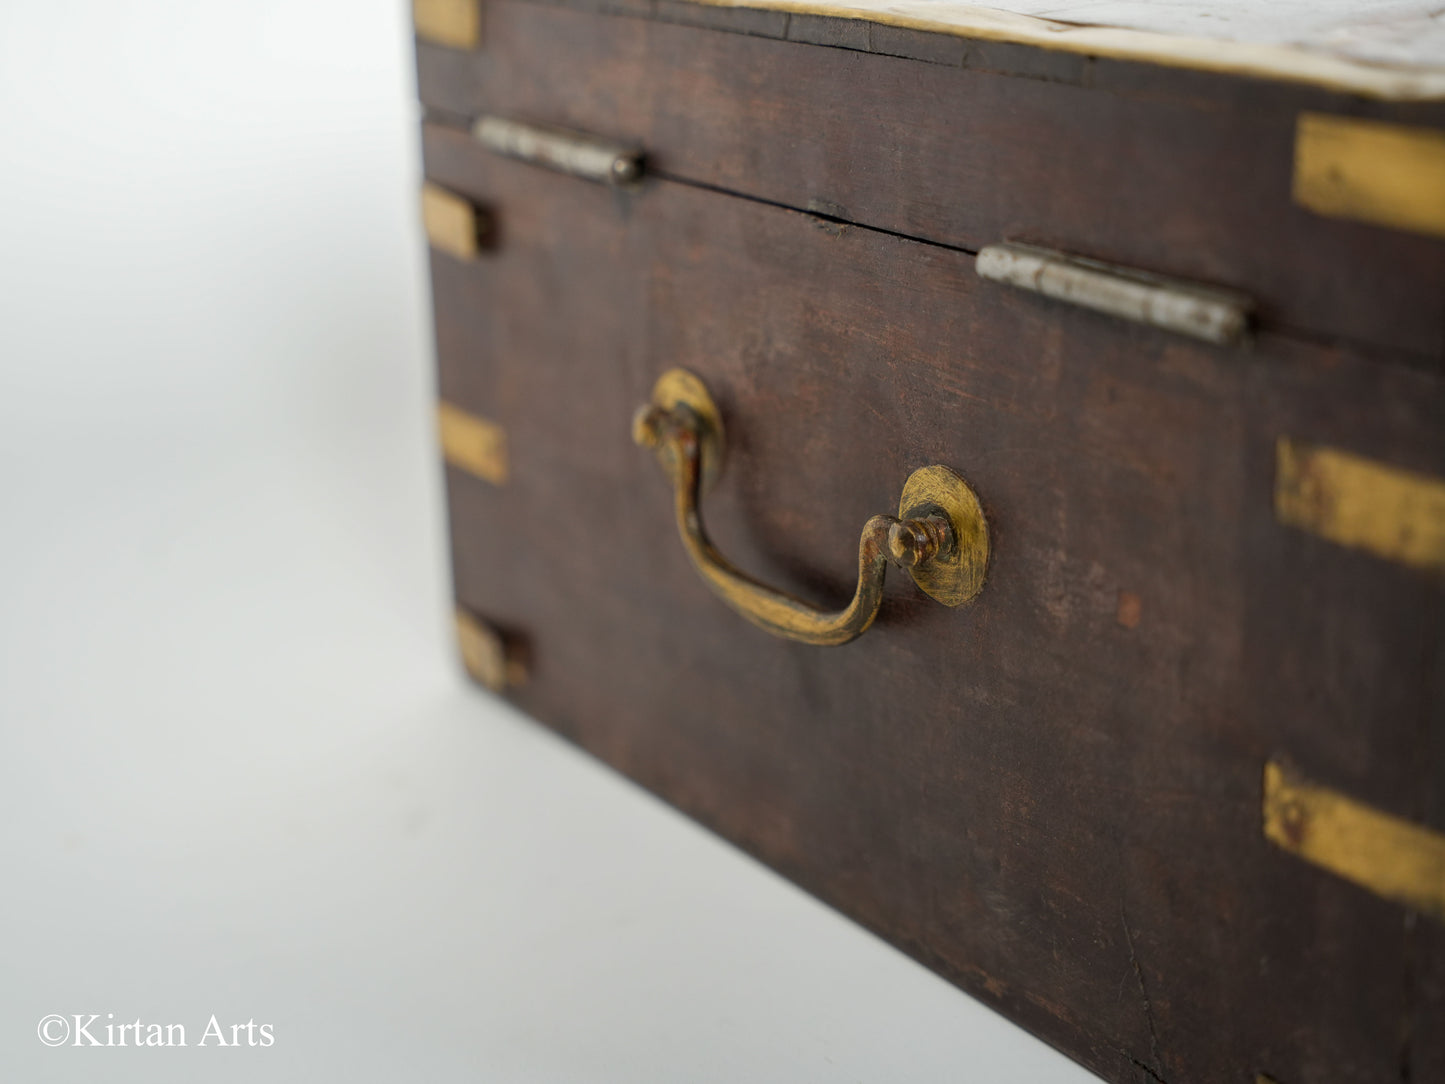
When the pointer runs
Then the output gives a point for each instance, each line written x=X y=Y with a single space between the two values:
x=1067 y=406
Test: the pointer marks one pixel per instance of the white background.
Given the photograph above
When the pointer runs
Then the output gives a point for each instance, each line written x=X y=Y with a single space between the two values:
x=239 y=772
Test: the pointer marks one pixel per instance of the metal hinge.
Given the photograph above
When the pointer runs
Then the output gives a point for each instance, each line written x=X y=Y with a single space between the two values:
x=1203 y=312
x=578 y=154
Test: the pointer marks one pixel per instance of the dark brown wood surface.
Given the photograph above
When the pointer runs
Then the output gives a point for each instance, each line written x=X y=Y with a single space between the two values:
x=1175 y=172
x=1051 y=797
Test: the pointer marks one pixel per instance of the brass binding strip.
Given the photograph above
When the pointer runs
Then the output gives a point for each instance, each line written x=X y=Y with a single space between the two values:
x=1369 y=171
x=473 y=444
x=486 y=655
x=1202 y=312
x=1361 y=503
x=1385 y=854
x=454 y=23
x=453 y=225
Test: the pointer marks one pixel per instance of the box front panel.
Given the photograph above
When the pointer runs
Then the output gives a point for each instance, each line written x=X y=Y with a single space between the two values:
x=1051 y=795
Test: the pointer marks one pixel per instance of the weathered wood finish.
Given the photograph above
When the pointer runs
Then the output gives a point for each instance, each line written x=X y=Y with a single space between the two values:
x=1180 y=173
x=1051 y=796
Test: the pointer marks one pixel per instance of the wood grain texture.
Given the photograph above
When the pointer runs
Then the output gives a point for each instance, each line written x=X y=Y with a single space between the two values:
x=1188 y=177
x=1052 y=796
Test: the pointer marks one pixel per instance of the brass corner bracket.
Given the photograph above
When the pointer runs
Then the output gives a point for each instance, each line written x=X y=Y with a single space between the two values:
x=1394 y=858
x=456 y=24
x=493 y=660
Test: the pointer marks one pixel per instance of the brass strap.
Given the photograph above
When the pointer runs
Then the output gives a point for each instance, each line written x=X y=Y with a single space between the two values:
x=1385 y=854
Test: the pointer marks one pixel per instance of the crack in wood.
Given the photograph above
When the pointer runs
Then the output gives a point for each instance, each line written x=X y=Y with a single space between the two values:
x=1140 y=1065
x=1143 y=994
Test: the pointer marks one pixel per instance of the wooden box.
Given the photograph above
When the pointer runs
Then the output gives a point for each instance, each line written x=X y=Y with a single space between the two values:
x=1135 y=341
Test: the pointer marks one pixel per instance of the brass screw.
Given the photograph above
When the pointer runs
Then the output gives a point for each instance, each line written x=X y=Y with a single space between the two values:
x=915 y=542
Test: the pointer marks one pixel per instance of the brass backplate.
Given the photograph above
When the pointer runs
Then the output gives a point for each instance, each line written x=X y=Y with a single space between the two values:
x=680 y=387
x=957 y=576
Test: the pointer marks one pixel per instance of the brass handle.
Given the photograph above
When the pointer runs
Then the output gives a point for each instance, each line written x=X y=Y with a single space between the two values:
x=940 y=534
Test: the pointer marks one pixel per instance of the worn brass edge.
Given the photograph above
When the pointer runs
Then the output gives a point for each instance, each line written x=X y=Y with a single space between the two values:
x=473 y=444
x=1389 y=856
x=1361 y=503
